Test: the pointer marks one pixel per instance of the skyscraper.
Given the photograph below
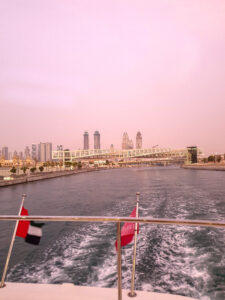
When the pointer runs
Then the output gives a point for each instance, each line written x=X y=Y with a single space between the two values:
x=10 y=156
x=5 y=152
x=138 y=140
x=45 y=152
x=15 y=154
x=97 y=140
x=27 y=152
x=42 y=152
x=126 y=142
x=48 y=152
x=34 y=151
x=21 y=155
x=86 y=140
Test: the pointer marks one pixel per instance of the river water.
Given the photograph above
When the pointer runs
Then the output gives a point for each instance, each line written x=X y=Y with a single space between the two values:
x=180 y=260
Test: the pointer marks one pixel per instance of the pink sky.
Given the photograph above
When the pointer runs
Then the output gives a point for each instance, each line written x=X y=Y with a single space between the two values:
x=113 y=66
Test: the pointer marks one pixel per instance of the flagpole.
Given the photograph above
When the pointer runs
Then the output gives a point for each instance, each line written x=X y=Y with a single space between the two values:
x=119 y=269
x=132 y=292
x=2 y=284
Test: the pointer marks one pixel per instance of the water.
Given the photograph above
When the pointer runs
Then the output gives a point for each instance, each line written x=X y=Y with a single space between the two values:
x=170 y=259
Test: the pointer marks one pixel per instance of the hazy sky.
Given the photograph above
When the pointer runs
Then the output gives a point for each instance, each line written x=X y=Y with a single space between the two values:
x=112 y=65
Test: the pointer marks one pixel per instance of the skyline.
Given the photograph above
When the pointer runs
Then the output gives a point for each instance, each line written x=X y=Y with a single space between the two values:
x=115 y=66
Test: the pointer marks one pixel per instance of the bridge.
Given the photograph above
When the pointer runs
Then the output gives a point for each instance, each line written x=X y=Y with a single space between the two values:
x=152 y=154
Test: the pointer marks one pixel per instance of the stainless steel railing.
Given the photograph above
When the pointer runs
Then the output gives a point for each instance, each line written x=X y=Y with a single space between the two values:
x=117 y=220
x=114 y=220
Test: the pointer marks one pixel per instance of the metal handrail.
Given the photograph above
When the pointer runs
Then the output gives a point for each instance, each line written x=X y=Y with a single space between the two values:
x=117 y=220
x=114 y=220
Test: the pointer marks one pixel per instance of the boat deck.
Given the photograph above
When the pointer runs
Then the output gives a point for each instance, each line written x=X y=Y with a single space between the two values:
x=68 y=291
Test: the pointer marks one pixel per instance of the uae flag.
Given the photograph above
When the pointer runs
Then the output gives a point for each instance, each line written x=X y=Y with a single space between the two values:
x=127 y=231
x=29 y=230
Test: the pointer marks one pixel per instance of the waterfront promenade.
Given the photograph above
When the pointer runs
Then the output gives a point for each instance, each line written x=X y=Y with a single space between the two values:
x=41 y=176
x=208 y=166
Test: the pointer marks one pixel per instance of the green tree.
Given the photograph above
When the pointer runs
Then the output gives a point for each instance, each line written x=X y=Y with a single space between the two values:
x=211 y=158
x=33 y=169
x=24 y=169
x=107 y=162
x=41 y=168
x=13 y=170
x=79 y=165
x=68 y=163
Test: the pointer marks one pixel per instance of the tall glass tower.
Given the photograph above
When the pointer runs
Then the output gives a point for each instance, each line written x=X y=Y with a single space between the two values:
x=138 y=140
x=97 y=140
x=86 y=140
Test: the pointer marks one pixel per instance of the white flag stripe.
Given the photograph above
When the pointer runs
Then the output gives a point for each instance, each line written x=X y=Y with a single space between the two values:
x=33 y=230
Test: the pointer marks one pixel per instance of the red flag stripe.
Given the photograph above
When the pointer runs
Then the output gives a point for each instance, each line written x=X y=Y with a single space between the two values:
x=23 y=226
x=127 y=232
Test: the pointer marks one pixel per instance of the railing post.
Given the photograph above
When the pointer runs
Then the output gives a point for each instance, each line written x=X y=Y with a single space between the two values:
x=119 y=270
x=132 y=292
x=2 y=284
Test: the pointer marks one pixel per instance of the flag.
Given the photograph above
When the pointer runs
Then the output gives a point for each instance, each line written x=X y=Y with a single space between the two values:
x=127 y=232
x=34 y=233
x=29 y=230
x=23 y=226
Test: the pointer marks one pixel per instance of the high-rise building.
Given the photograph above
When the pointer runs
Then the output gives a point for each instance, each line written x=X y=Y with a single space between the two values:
x=5 y=152
x=34 y=151
x=45 y=152
x=42 y=152
x=21 y=155
x=59 y=147
x=126 y=142
x=138 y=140
x=86 y=140
x=27 y=152
x=15 y=154
x=97 y=140
x=48 y=151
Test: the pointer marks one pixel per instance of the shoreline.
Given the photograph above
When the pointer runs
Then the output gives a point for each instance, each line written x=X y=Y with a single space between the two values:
x=41 y=176
x=214 y=167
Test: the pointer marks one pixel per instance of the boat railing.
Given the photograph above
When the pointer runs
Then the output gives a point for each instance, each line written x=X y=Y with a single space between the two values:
x=118 y=221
